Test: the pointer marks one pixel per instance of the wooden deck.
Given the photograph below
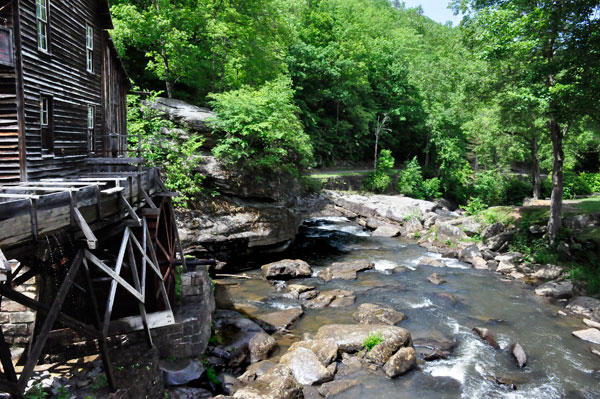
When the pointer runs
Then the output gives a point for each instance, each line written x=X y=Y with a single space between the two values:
x=32 y=209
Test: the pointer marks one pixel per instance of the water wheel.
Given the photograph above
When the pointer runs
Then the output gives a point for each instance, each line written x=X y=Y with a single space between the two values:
x=163 y=233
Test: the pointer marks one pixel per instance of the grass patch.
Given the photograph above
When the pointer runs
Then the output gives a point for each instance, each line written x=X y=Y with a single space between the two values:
x=503 y=214
x=372 y=340
x=586 y=206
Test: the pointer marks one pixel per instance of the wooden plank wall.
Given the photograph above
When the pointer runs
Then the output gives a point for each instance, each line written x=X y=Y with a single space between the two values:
x=62 y=74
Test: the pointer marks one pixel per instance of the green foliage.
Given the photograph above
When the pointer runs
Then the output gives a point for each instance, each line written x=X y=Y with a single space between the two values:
x=412 y=184
x=178 y=287
x=380 y=180
x=372 y=340
x=101 y=381
x=63 y=393
x=211 y=374
x=259 y=130
x=475 y=206
x=36 y=392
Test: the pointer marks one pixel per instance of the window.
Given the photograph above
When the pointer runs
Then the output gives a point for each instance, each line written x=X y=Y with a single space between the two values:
x=42 y=23
x=91 y=122
x=47 y=131
x=89 y=47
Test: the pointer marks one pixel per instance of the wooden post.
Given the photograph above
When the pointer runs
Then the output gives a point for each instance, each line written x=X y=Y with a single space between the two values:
x=136 y=284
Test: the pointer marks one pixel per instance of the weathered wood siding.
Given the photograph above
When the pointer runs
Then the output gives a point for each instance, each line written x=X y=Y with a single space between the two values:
x=61 y=74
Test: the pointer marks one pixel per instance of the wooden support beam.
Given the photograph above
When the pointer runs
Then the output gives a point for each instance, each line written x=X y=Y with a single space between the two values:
x=34 y=218
x=162 y=282
x=130 y=209
x=5 y=267
x=114 y=275
x=137 y=285
x=92 y=241
x=6 y=359
x=148 y=199
x=113 y=285
x=51 y=317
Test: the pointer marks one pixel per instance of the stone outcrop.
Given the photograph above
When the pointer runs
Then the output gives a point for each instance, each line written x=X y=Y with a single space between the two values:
x=277 y=383
x=585 y=306
x=331 y=298
x=286 y=269
x=306 y=366
x=344 y=270
x=369 y=313
x=402 y=361
x=350 y=337
x=556 y=289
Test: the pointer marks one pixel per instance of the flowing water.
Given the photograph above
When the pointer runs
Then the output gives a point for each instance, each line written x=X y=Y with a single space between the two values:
x=559 y=365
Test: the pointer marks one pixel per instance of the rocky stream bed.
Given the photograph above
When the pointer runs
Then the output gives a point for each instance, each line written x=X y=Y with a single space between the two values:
x=485 y=326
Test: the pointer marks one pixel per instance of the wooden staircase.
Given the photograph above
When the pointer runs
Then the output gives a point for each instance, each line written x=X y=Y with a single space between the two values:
x=9 y=126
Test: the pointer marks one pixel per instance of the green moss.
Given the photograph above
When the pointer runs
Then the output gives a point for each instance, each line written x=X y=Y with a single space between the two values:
x=372 y=340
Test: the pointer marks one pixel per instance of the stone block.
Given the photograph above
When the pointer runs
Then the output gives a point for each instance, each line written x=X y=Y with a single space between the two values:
x=10 y=306
x=22 y=317
x=15 y=329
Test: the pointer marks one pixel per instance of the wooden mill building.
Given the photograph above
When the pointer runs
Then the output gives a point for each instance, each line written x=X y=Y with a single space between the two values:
x=78 y=214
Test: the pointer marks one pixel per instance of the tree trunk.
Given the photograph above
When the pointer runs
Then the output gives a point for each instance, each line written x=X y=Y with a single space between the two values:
x=535 y=159
x=163 y=54
x=558 y=157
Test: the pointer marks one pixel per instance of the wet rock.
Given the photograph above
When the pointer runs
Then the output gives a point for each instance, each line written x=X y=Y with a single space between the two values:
x=256 y=370
x=237 y=332
x=181 y=371
x=431 y=262
x=488 y=255
x=296 y=290
x=590 y=335
x=585 y=306
x=332 y=298
x=325 y=349
x=450 y=253
x=336 y=387
x=386 y=230
x=383 y=351
x=431 y=345
x=548 y=272
x=260 y=346
x=345 y=270
x=506 y=267
x=492 y=265
x=229 y=383
x=492 y=230
x=517 y=275
x=369 y=313
x=401 y=362
x=469 y=254
x=497 y=242
x=518 y=353
x=485 y=335
x=448 y=298
x=506 y=382
x=277 y=383
x=595 y=351
x=411 y=226
x=286 y=269
x=280 y=319
x=306 y=367
x=187 y=393
x=480 y=264
x=350 y=337
x=436 y=279
x=561 y=289
x=591 y=323
x=429 y=220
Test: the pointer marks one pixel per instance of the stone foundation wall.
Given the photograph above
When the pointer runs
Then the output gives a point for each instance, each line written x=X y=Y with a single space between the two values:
x=17 y=320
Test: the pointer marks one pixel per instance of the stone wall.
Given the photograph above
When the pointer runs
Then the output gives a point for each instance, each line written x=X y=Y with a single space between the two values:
x=17 y=320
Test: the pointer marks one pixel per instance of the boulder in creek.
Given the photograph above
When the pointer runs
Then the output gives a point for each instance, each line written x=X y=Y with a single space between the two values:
x=325 y=349
x=450 y=253
x=548 y=272
x=492 y=230
x=286 y=269
x=480 y=264
x=518 y=353
x=436 y=279
x=506 y=267
x=306 y=367
x=280 y=319
x=181 y=371
x=350 y=337
x=591 y=323
x=386 y=230
x=446 y=231
x=336 y=387
x=555 y=289
x=401 y=362
x=260 y=346
x=299 y=291
x=432 y=345
x=469 y=254
x=485 y=335
x=383 y=351
x=345 y=270
x=411 y=226
x=277 y=383
x=431 y=262
x=369 y=313
x=256 y=370
x=331 y=298
x=470 y=226
x=590 y=335
x=585 y=306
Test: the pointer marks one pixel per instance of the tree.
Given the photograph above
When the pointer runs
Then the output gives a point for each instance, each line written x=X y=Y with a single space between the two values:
x=553 y=42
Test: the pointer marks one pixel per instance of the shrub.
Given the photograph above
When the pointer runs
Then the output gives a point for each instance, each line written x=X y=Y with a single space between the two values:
x=410 y=180
x=431 y=188
x=162 y=147
x=474 y=206
x=259 y=130
x=372 y=340
x=380 y=180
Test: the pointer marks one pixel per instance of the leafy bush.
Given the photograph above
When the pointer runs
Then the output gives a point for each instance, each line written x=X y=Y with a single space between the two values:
x=380 y=180
x=516 y=189
x=372 y=340
x=431 y=188
x=162 y=147
x=592 y=181
x=474 y=206
x=412 y=184
x=259 y=130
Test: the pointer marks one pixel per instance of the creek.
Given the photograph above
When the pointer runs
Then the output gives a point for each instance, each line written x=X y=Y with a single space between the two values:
x=559 y=365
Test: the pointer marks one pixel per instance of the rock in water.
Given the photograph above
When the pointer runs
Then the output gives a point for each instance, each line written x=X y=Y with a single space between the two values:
x=585 y=306
x=369 y=313
x=332 y=298
x=431 y=262
x=403 y=361
x=350 y=337
x=280 y=319
x=325 y=349
x=344 y=270
x=383 y=351
x=548 y=272
x=590 y=335
x=286 y=269
x=436 y=279
x=386 y=230
x=306 y=367
x=519 y=355
x=260 y=346
x=485 y=334
x=335 y=387
x=561 y=289
x=277 y=383
x=180 y=372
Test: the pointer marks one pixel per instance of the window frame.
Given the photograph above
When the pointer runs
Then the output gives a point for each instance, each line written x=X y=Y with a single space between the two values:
x=43 y=24
x=91 y=128
x=89 y=47
x=47 y=125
